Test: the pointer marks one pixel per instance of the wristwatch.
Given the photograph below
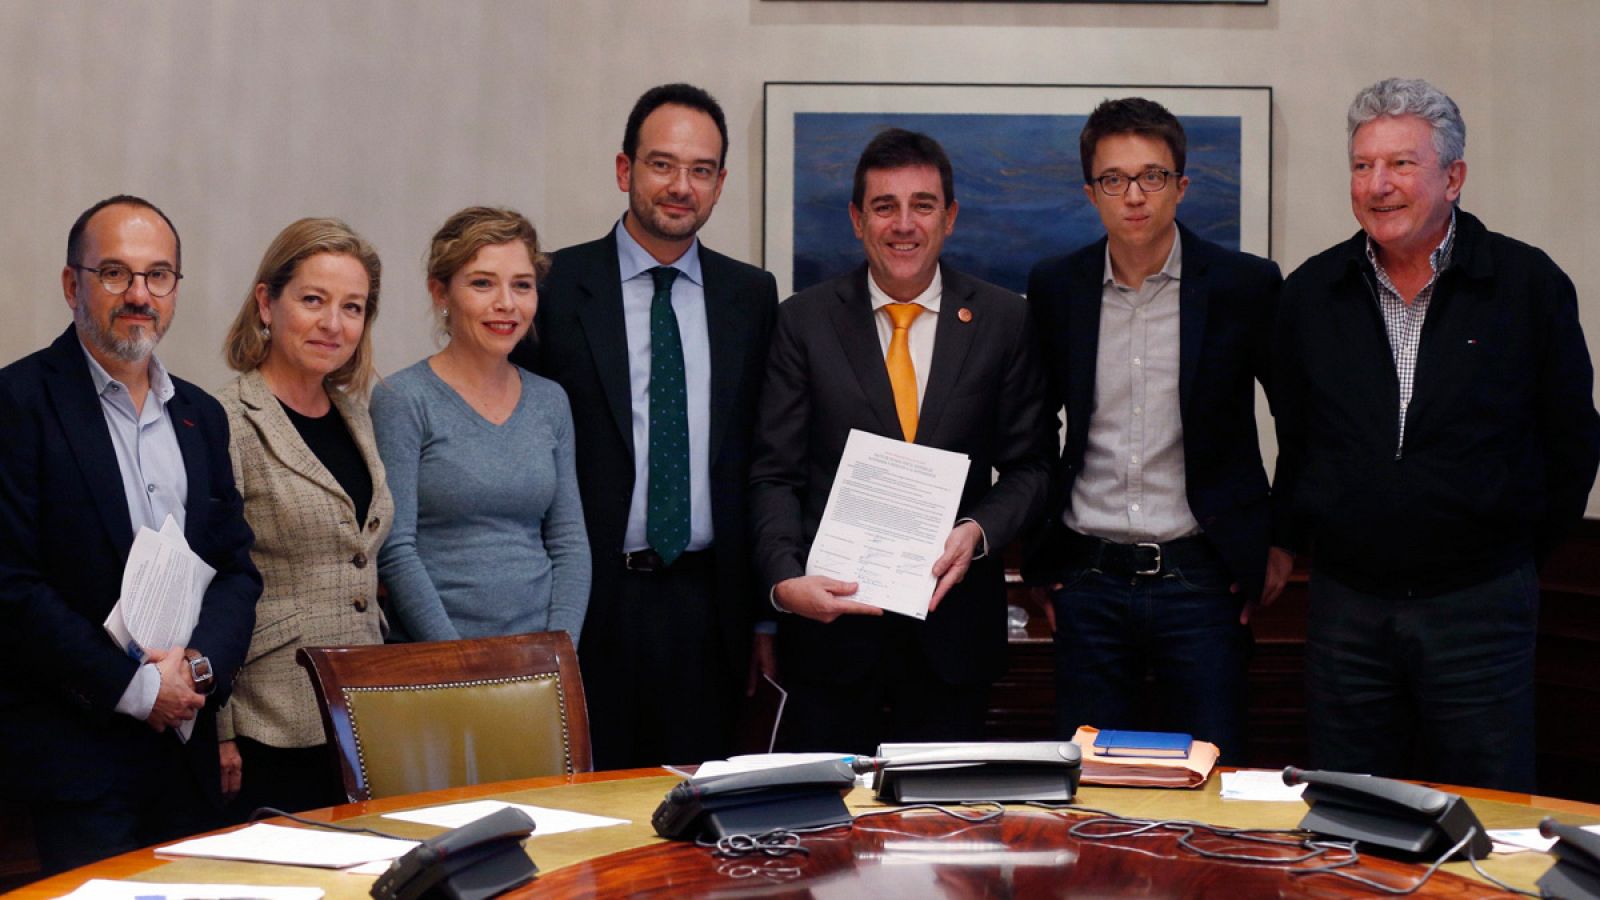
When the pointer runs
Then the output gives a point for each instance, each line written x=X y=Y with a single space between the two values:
x=200 y=669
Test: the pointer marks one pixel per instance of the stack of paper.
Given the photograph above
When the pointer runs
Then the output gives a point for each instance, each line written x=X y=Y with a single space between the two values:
x=163 y=587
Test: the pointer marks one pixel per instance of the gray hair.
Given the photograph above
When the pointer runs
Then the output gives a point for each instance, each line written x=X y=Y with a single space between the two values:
x=1412 y=97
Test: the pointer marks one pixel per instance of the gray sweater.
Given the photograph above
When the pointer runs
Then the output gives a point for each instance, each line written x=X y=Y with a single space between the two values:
x=488 y=532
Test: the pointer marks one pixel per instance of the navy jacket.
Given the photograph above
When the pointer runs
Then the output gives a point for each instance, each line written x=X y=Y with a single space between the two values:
x=583 y=344
x=64 y=538
x=1226 y=303
x=1501 y=441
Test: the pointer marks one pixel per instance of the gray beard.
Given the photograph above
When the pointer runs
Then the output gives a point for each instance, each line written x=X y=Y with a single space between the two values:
x=138 y=346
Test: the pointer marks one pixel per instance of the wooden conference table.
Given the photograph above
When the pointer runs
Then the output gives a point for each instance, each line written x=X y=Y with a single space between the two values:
x=1025 y=853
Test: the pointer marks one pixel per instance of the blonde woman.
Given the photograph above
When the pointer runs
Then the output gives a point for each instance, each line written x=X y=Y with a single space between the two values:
x=488 y=536
x=307 y=465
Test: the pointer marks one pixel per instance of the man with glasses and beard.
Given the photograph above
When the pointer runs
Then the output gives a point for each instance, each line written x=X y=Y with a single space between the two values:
x=660 y=344
x=100 y=442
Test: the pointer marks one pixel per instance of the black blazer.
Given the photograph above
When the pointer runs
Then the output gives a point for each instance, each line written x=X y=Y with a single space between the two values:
x=985 y=397
x=583 y=345
x=1226 y=301
x=64 y=539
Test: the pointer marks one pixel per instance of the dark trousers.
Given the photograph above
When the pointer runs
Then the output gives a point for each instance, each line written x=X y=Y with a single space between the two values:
x=291 y=779
x=900 y=699
x=658 y=689
x=164 y=804
x=1437 y=688
x=1181 y=628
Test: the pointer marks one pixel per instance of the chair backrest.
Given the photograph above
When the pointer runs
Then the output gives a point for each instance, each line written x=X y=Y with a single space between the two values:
x=415 y=717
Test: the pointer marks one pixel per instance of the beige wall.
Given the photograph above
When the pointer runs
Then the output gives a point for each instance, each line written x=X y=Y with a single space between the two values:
x=238 y=117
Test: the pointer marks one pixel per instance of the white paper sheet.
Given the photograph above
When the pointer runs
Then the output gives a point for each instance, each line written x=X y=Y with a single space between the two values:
x=163 y=586
x=1260 y=784
x=291 y=846
x=1521 y=840
x=755 y=762
x=890 y=510
x=106 y=889
x=545 y=820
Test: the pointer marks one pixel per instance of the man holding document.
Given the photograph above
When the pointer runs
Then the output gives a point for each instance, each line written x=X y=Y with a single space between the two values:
x=100 y=443
x=894 y=394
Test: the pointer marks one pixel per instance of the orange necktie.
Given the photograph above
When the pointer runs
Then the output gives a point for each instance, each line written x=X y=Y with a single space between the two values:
x=902 y=375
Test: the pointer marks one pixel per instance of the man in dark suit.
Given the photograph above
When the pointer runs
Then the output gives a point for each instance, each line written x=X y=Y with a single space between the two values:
x=1159 y=521
x=660 y=342
x=101 y=441
x=910 y=349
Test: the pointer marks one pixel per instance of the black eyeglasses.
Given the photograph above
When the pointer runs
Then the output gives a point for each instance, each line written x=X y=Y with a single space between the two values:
x=117 y=278
x=1115 y=184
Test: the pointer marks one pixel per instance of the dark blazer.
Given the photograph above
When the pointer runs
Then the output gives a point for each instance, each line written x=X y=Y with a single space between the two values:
x=583 y=345
x=985 y=397
x=64 y=539
x=1226 y=302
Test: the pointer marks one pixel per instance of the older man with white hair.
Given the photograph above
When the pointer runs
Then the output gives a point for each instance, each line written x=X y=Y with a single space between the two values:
x=1437 y=436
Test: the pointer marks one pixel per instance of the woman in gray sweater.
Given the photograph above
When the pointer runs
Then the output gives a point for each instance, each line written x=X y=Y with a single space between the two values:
x=488 y=534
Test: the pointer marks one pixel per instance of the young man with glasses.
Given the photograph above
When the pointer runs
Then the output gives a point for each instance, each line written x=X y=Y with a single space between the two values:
x=100 y=442
x=660 y=343
x=1157 y=548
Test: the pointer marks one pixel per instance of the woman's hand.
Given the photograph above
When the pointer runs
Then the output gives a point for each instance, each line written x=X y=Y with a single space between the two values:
x=232 y=768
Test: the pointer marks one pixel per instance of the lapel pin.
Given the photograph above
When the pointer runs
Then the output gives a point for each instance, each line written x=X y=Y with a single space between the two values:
x=964 y=314
x=188 y=424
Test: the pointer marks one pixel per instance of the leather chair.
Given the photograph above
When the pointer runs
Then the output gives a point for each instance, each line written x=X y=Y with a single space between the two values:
x=414 y=717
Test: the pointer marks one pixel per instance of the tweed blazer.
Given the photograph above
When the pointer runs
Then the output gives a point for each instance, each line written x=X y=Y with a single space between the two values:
x=319 y=566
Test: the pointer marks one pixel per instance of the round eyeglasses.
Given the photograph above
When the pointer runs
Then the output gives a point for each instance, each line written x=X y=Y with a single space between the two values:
x=1115 y=184
x=117 y=278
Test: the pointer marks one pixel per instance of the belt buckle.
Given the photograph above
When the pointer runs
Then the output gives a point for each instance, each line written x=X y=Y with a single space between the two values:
x=643 y=561
x=1157 y=569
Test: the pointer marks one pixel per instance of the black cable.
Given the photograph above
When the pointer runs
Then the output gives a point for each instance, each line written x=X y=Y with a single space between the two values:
x=267 y=811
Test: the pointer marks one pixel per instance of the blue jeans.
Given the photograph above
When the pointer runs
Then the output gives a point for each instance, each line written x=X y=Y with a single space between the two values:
x=1181 y=627
x=1435 y=688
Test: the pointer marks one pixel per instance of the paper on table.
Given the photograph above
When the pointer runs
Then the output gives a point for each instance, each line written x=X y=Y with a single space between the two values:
x=163 y=587
x=1258 y=784
x=545 y=820
x=890 y=510
x=291 y=846
x=106 y=889
x=756 y=762
x=1521 y=840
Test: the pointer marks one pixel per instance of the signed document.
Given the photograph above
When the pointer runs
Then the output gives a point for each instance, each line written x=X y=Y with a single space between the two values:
x=891 y=508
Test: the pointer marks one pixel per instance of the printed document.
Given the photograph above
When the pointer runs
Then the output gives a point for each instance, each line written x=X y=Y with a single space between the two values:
x=891 y=508
x=163 y=586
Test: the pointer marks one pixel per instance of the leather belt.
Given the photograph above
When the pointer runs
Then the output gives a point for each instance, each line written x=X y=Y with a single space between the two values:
x=1127 y=560
x=649 y=562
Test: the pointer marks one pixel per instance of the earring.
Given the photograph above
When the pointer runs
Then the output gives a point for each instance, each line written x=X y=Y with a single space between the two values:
x=266 y=332
x=444 y=312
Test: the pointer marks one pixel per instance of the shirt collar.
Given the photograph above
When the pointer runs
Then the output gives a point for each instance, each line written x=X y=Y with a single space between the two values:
x=1171 y=269
x=928 y=299
x=160 y=382
x=1437 y=260
x=633 y=259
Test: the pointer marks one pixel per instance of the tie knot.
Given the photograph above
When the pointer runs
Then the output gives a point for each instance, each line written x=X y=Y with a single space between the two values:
x=663 y=277
x=902 y=314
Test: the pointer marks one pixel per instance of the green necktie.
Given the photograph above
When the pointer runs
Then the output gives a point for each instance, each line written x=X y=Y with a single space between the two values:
x=667 y=515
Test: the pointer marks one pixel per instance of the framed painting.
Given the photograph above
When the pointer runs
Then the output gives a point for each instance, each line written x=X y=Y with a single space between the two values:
x=1018 y=178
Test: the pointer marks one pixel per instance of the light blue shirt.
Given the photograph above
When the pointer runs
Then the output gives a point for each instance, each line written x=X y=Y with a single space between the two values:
x=148 y=457
x=689 y=303
x=154 y=481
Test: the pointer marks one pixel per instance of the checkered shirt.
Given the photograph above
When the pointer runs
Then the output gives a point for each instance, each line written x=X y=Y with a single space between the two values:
x=1403 y=321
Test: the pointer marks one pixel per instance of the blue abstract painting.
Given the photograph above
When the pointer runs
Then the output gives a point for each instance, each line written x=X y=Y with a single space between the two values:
x=1018 y=182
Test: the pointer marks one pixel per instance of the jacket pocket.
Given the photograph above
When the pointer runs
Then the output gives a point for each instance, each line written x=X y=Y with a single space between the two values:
x=273 y=636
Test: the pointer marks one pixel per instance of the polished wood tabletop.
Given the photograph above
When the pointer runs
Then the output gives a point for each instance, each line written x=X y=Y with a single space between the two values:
x=1027 y=852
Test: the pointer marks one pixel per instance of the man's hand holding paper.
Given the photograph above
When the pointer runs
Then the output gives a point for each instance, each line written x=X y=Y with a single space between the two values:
x=886 y=528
